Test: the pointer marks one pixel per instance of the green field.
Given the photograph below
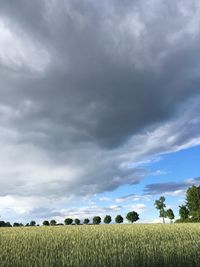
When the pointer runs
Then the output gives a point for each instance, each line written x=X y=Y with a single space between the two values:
x=101 y=245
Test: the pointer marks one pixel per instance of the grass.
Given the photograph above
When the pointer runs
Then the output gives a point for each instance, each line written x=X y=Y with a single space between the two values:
x=101 y=245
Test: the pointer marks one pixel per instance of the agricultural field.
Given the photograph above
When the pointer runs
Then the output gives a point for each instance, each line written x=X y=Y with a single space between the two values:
x=101 y=245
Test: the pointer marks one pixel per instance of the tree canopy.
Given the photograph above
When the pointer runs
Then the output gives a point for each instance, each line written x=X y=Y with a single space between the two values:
x=68 y=221
x=170 y=214
x=119 y=219
x=160 y=205
x=132 y=216
x=96 y=220
x=107 y=219
x=193 y=201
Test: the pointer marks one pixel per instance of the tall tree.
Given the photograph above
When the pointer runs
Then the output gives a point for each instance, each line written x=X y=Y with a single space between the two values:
x=170 y=214
x=160 y=205
x=184 y=212
x=193 y=201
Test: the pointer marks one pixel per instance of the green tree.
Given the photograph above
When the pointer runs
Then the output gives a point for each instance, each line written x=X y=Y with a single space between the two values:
x=193 y=201
x=96 y=220
x=8 y=224
x=45 y=223
x=86 y=221
x=5 y=224
x=184 y=212
x=53 y=222
x=170 y=214
x=119 y=219
x=16 y=224
x=68 y=221
x=107 y=219
x=77 y=221
x=132 y=216
x=160 y=205
x=32 y=223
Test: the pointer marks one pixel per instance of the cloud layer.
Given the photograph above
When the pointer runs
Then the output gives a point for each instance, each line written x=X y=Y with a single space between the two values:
x=90 y=90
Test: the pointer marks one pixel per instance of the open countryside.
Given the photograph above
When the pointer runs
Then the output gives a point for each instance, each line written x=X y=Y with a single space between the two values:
x=174 y=244
x=99 y=133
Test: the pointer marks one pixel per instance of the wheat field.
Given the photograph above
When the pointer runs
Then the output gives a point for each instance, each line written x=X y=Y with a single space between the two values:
x=101 y=245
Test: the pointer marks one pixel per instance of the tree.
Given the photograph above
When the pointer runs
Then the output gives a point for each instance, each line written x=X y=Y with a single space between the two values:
x=160 y=205
x=183 y=212
x=2 y=224
x=16 y=224
x=86 y=221
x=53 y=222
x=170 y=214
x=77 y=221
x=96 y=220
x=193 y=201
x=119 y=219
x=107 y=219
x=45 y=223
x=5 y=224
x=68 y=221
x=32 y=223
x=132 y=216
x=8 y=224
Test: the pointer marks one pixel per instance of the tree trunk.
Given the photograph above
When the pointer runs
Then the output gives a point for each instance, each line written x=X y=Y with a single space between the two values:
x=163 y=219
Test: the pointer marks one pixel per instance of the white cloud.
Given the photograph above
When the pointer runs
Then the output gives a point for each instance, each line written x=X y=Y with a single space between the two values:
x=105 y=199
x=175 y=193
x=139 y=207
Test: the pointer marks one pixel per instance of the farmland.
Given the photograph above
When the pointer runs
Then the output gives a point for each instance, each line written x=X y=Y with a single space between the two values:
x=102 y=245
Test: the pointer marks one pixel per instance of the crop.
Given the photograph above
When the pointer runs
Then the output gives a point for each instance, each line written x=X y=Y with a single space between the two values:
x=101 y=245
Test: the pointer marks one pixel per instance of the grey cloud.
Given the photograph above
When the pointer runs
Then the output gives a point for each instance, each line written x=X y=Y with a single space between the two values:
x=97 y=88
x=132 y=197
x=43 y=212
x=114 y=89
x=170 y=187
x=90 y=211
x=159 y=188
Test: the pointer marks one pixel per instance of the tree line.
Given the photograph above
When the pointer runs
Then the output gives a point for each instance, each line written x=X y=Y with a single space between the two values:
x=189 y=212
x=131 y=216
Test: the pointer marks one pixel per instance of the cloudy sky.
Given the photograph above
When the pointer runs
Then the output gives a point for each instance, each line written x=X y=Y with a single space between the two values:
x=99 y=107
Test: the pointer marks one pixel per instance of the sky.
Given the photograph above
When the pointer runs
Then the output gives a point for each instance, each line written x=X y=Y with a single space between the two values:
x=99 y=107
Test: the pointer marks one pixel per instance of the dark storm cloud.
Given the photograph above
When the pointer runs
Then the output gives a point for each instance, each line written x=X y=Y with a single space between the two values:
x=84 y=82
x=113 y=72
